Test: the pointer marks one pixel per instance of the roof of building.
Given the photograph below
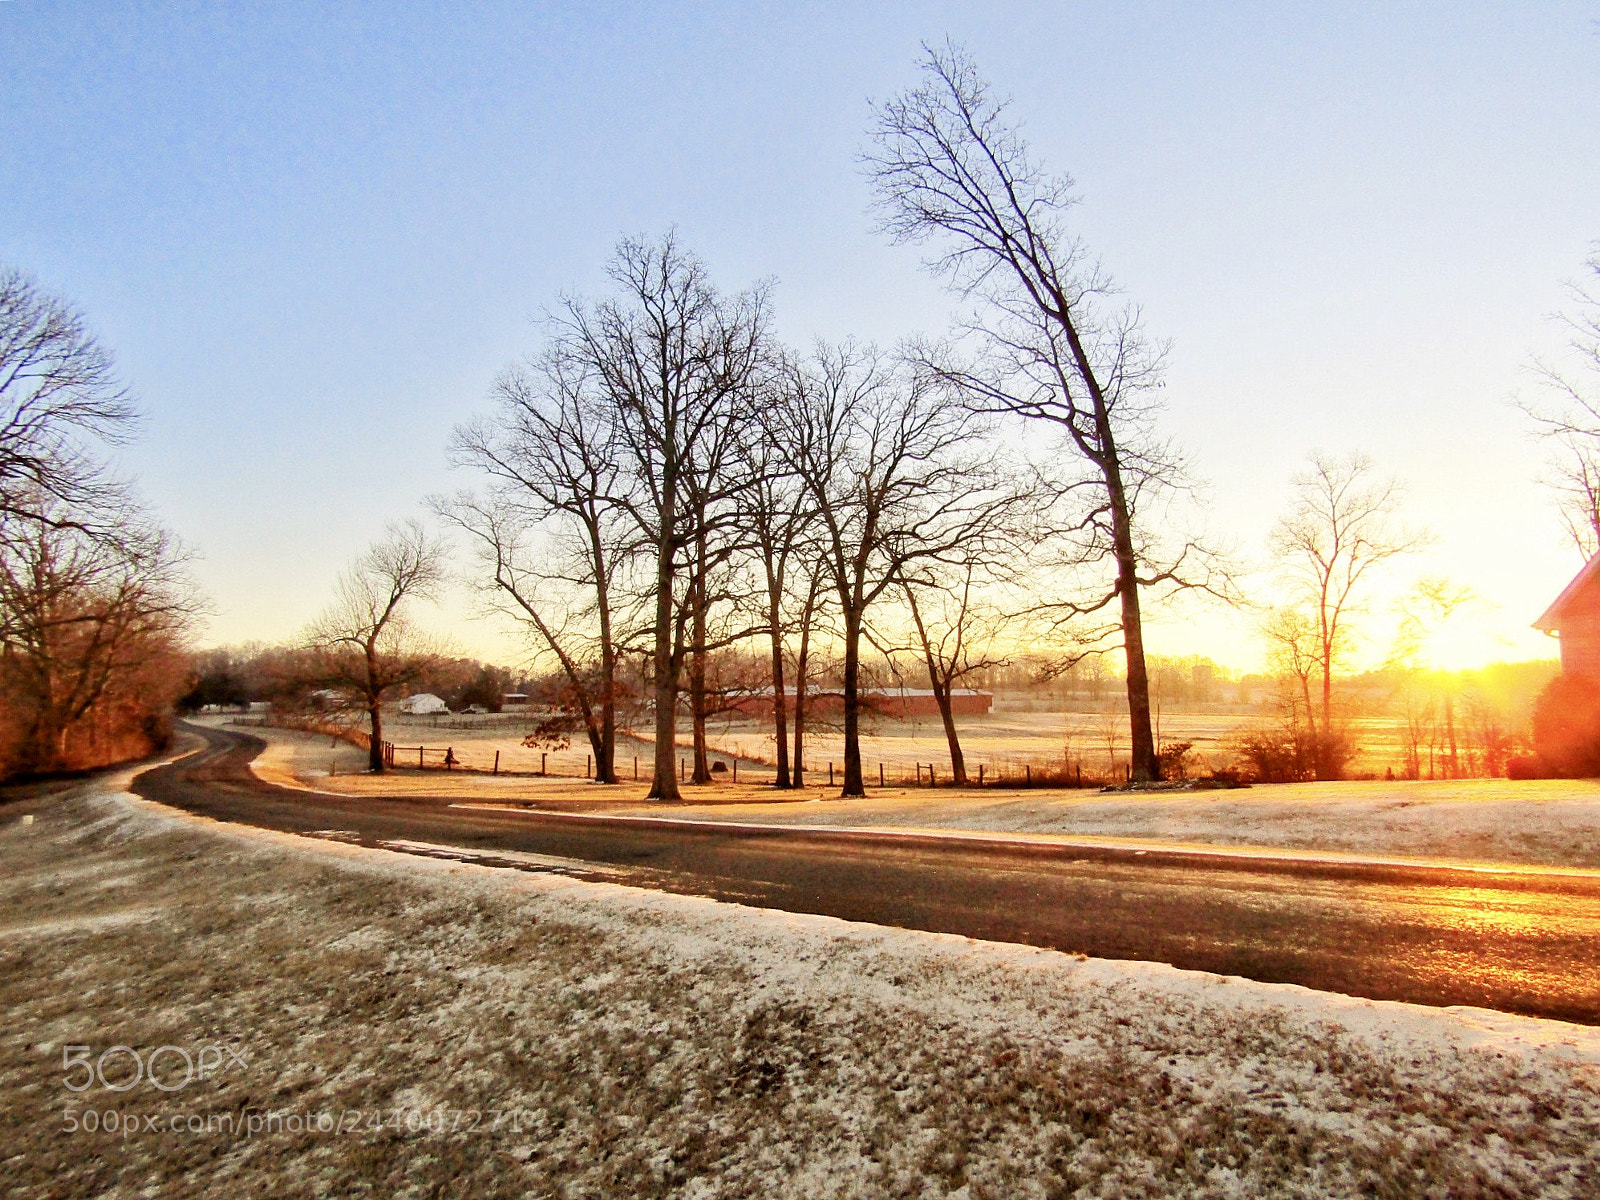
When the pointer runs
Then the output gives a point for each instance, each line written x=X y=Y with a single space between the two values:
x=1576 y=595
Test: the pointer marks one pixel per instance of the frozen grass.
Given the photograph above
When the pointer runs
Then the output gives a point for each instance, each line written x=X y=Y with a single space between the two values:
x=668 y=1046
x=1002 y=742
x=1549 y=822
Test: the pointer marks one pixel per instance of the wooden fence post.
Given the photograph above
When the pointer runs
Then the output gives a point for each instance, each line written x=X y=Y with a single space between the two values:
x=830 y=774
x=588 y=766
x=1029 y=770
x=542 y=757
x=496 y=762
x=880 y=774
x=636 y=768
x=980 y=774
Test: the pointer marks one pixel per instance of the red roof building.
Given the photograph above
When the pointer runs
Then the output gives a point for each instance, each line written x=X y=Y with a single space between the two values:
x=894 y=703
x=1575 y=619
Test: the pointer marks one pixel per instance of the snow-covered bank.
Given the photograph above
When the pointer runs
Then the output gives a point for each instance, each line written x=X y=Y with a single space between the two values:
x=659 y=1045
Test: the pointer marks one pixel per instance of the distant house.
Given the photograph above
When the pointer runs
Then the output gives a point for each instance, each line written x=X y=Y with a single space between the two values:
x=1575 y=619
x=423 y=704
x=514 y=700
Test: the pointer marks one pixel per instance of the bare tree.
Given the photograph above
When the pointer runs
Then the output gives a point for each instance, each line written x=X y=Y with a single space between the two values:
x=1343 y=524
x=365 y=639
x=899 y=477
x=777 y=515
x=91 y=632
x=1571 y=422
x=58 y=390
x=957 y=631
x=676 y=362
x=552 y=523
x=811 y=613
x=1427 y=696
x=951 y=168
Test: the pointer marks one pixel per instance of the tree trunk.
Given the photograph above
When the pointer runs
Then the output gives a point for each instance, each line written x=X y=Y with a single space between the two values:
x=941 y=694
x=1450 y=735
x=605 y=754
x=1141 y=739
x=797 y=769
x=1142 y=744
x=697 y=669
x=854 y=785
x=375 y=762
x=664 y=784
x=779 y=716
x=958 y=761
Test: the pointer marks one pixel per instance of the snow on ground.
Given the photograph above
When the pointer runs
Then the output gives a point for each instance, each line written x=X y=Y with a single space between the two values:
x=621 y=1042
x=1550 y=821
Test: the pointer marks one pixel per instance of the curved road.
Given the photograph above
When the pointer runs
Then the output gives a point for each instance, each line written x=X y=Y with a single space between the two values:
x=1517 y=940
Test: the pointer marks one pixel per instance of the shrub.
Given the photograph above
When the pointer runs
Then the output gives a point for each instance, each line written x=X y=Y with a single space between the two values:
x=1174 y=760
x=1527 y=766
x=1566 y=726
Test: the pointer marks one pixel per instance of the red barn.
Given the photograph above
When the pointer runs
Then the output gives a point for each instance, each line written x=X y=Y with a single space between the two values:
x=893 y=703
x=1575 y=619
x=921 y=702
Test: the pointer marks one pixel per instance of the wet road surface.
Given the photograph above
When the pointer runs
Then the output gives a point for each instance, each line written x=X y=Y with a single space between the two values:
x=1516 y=940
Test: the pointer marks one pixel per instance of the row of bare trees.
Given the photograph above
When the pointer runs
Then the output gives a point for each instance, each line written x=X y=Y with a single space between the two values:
x=664 y=479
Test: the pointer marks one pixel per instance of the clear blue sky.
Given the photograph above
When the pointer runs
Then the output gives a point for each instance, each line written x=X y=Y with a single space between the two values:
x=313 y=232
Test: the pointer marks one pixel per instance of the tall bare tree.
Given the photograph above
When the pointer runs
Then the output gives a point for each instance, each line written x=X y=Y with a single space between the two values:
x=1570 y=421
x=1045 y=344
x=1343 y=524
x=58 y=393
x=899 y=476
x=365 y=640
x=676 y=361
x=552 y=522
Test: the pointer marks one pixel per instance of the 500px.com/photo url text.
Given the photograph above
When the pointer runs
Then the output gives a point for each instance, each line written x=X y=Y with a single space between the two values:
x=420 y=1122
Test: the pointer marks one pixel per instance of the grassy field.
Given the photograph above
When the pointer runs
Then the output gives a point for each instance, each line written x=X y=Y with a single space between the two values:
x=1004 y=743
x=383 y=1025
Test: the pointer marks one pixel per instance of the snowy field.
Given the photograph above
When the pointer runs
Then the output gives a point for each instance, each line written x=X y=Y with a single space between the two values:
x=1549 y=822
x=1004 y=742
x=617 y=1042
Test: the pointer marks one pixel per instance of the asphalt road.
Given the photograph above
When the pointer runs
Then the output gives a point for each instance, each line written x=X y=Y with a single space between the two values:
x=1518 y=941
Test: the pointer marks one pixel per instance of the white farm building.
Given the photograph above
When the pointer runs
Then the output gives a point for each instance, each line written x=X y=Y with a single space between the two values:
x=423 y=704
